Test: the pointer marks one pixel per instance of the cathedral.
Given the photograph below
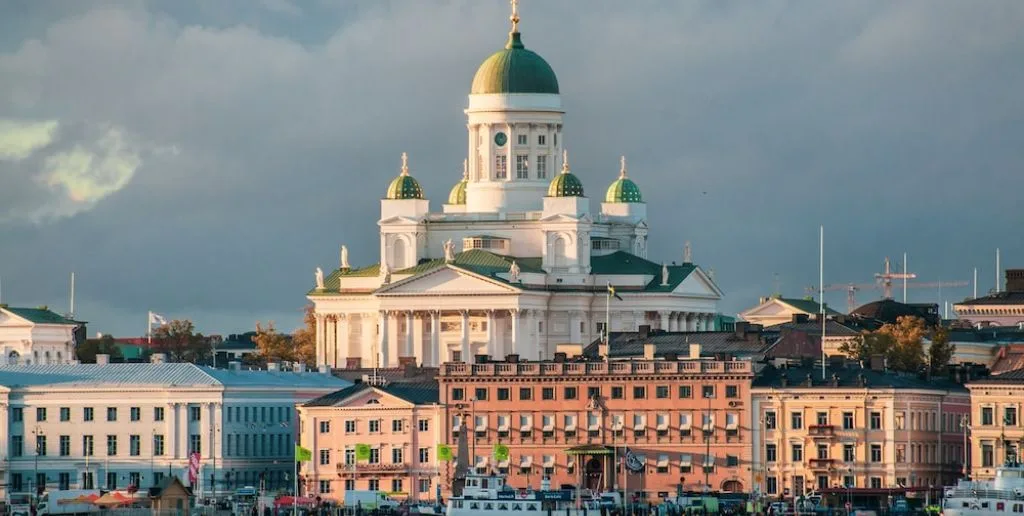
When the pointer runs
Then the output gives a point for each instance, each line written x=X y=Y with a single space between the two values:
x=516 y=261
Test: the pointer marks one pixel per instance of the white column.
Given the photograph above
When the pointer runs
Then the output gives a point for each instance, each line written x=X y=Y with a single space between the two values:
x=181 y=429
x=664 y=320
x=492 y=343
x=218 y=436
x=331 y=345
x=382 y=341
x=367 y=339
x=394 y=348
x=319 y=338
x=688 y=321
x=206 y=433
x=341 y=344
x=517 y=340
x=673 y=321
x=466 y=358
x=409 y=351
x=418 y=340
x=436 y=355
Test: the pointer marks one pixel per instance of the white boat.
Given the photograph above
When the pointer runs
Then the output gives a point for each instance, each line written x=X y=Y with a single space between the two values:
x=1002 y=496
x=488 y=495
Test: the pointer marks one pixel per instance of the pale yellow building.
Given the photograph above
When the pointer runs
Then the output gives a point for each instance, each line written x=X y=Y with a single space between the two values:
x=996 y=430
x=851 y=431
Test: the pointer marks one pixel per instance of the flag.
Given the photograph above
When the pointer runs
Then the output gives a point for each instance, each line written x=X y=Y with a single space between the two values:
x=500 y=452
x=193 y=468
x=362 y=452
x=303 y=454
x=157 y=319
x=611 y=292
x=444 y=452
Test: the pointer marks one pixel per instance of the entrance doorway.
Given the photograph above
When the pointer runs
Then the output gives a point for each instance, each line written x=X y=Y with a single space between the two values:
x=593 y=475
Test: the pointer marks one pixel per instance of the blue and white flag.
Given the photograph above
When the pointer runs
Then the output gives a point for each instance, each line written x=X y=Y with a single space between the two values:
x=156 y=319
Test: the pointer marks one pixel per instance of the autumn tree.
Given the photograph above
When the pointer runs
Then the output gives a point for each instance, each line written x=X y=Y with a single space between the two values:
x=272 y=346
x=304 y=338
x=867 y=345
x=179 y=341
x=87 y=351
x=940 y=353
x=902 y=344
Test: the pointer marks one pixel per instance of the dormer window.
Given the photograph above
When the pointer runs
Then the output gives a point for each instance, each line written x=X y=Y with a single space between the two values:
x=604 y=244
x=492 y=243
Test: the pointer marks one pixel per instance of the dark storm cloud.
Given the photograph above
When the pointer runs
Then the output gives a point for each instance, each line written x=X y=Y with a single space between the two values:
x=898 y=125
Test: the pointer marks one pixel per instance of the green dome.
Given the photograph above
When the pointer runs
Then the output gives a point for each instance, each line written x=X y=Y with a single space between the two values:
x=458 y=193
x=514 y=69
x=565 y=184
x=404 y=186
x=623 y=189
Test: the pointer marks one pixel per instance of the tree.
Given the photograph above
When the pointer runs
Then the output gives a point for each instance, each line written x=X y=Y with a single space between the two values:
x=304 y=338
x=272 y=346
x=902 y=345
x=87 y=351
x=940 y=353
x=867 y=345
x=181 y=343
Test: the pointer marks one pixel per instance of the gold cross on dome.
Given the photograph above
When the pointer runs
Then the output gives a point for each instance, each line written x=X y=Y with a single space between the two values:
x=405 y=164
x=515 y=16
x=622 y=169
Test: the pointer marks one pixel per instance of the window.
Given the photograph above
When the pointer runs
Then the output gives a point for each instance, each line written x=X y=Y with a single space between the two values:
x=849 y=453
x=661 y=392
x=65 y=413
x=350 y=426
x=325 y=486
x=111 y=445
x=876 y=482
x=112 y=480
x=111 y=413
x=374 y=426
x=64 y=481
x=135 y=413
x=194 y=413
x=525 y=394
x=396 y=485
x=158 y=413
x=158 y=444
x=501 y=166
x=847 y=420
x=16 y=482
x=424 y=455
x=397 y=457
x=798 y=453
x=350 y=484
x=708 y=391
x=769 y=420
x=423 y=425
x=570 y=393
x=481 y=394
x=618 y=393
x=732 y=391
x=65 y=445
x=325 y=457
x=374 y=455
x=821 y=418
x=987 y=418
x=41 y=414
x=195 y=444
x=876 y=420
x=732 y=461
x=458 y=394
x=350 y=456
x=639 y=392
x=522 y=166
x=17 y=414
x=521 y=139
x=397 y=425
x=770 y=453
x=987 y=455
x=424 y=485
x=823 y=451
x=796 y=420
x=849 y=481
x=1010 y=416
x=87 y=445
x=685 y=391
x=542 y=166
x=771 y=484
x=593 y=392
x=547 y=393
x=325 y=427
x=503 y=394
x=17 y=445
x=542 y=139
x=876 y=453
x=134 y=445
x=41 y=445
x=822 y=482
x=373 y=484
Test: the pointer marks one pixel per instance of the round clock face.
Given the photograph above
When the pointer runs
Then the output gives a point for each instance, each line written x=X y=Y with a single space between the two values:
x=500 y=139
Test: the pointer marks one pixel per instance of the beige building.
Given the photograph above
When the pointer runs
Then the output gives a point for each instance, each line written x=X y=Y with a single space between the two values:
x=779 y=310
x=996 y=430
x=400 y=422
x=858 y=429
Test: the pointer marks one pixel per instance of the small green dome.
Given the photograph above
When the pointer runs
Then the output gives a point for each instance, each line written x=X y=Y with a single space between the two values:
x=458 y=193
x=514 y=69
x=623 y=190
x=565 y=184
x=404 y=186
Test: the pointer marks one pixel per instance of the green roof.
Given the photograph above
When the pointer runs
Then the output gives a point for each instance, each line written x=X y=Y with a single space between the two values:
x=458 y=193
x=415 y=393
x=404 y=187
x=621 y=262
x=565 y=185
x=623 y=190
x=514 y=69
x=40 y=315
x=807 y=305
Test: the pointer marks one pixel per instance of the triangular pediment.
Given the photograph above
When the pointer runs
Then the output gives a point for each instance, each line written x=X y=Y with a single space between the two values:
x=699 y=284
x=564 y=217
x=8 y=318
x=447 y=280
x=372 y=397
x=397 y=220
x=771 y=308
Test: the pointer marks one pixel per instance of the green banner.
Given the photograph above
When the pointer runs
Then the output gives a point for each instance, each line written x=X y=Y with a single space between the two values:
x=303 y=454
x=362 y=452
x=444 y=453
x=500 y=452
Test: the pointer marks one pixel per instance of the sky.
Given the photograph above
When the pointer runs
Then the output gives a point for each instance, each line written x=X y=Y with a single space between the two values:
x=199 y=159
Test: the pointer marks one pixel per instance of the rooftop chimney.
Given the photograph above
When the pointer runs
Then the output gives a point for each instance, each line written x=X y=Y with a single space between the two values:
x=799 y=318
x=649 y=351
x=512 y=358
x=102 y=359
x=273 y=366
x=694 y=351
x=644 y=330
x=1015 y=280
x=235 y=365
x=602 y=351
x=158 y=358
x=741 y=328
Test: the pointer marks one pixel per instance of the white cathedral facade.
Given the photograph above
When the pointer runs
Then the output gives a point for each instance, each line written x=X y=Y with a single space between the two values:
x=515 y=262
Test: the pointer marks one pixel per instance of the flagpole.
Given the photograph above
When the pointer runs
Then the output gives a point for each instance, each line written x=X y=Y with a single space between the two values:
x=149 y=328
x=295 y=499
x=821 y=292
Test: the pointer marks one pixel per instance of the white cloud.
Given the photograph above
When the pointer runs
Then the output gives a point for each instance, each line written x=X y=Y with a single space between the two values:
x=19 y=139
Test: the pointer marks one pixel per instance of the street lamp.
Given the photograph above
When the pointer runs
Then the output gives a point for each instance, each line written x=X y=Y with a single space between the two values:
x=37 y=433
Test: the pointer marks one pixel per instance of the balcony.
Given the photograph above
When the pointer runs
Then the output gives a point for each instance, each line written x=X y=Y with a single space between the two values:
x=821 y=431
x=820 y=463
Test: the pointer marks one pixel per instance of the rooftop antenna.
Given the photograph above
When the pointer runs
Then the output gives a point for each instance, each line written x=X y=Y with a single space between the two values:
x=975 y=283
x=71 y=308
x=905 y=269
x=821 y=293
x=997 y=270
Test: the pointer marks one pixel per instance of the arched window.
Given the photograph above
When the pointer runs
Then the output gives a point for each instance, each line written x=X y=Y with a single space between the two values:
x=12 y=358
x=398 y=254
x=46 y=358
x=560 y=252
x=60 y=359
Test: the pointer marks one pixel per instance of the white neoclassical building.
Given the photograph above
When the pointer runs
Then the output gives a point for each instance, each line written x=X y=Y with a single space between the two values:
x=516 y=262
x=36 y=336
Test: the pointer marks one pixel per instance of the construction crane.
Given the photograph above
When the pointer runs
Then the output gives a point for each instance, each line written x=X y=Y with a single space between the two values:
x=884 y=282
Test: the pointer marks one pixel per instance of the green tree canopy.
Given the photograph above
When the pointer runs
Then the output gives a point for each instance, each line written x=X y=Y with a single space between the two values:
x=179 y=341
x=87 y=351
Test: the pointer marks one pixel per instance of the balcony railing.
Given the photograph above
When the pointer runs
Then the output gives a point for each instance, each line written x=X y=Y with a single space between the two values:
x=459 y=369
x=820 y=463
x=821 y=430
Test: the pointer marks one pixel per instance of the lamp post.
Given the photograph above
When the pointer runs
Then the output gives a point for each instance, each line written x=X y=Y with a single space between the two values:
x=472 y=404
x=37 y=433
x=152 y=456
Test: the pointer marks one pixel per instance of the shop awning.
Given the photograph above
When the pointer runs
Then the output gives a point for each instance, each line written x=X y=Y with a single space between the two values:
x=589 y=449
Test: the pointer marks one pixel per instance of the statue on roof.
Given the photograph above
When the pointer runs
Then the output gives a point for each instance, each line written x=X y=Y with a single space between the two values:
x=687 y=253
x=664 y=274
x=319 y=278
x=449 y=251
x=513 y=272
x=344 y=257
x=385 y=272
